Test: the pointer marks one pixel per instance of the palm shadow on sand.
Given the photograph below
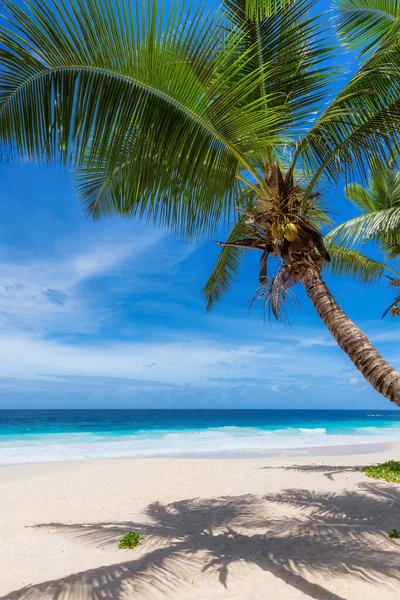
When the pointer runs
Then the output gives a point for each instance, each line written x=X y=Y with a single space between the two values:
x=333 y=535
x=329 y=471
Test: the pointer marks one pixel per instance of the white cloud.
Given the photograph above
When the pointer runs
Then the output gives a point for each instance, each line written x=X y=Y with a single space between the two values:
x=391 y=335
x=22 y=356
x=44 y=296
x=195 y=361
x=312 y=341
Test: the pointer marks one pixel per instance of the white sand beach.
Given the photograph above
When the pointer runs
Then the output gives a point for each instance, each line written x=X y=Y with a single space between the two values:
x=282 y=528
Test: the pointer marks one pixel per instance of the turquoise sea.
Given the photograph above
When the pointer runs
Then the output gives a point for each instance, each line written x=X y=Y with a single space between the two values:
x=28 y=436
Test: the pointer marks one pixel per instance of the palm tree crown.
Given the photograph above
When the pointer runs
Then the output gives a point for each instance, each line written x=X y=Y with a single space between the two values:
x=167 y=110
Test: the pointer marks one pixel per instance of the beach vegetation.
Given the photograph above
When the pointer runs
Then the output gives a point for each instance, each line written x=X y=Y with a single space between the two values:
x=201 y=120
x=394 y=533
x=389 y=471
x=130 y=540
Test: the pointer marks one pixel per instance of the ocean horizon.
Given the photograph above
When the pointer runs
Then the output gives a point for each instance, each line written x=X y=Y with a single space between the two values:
x=42 y=435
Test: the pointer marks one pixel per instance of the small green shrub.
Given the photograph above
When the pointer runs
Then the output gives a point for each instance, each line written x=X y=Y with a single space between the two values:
x=389 y=471
x=130 y=540
x=394 y=533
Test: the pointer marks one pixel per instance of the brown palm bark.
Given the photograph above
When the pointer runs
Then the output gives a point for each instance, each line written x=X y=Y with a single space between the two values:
x=379 y=373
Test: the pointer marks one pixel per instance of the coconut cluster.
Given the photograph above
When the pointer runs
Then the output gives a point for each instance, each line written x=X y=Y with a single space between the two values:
x=288 y=231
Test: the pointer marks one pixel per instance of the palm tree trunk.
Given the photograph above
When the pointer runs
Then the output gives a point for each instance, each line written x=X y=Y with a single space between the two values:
x=382 y=376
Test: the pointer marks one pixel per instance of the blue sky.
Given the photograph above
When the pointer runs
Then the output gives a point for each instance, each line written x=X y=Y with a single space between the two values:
x=110 y=314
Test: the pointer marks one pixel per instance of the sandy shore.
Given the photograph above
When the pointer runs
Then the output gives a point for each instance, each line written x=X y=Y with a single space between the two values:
x=289 y=528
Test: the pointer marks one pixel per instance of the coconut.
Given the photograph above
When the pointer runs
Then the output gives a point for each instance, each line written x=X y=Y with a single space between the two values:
x=277 y=231
x=291 y=233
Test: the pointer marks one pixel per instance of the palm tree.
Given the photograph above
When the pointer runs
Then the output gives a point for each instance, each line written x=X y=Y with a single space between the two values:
x=379 y=204
x=178 y=113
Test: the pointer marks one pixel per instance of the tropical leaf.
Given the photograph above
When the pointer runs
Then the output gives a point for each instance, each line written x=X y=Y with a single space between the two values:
x=138 y=89
x=350 y=262
x=392 y=305
x=369 y=227
x=384 y=184
x=227 y=266
x=316 y=211
x=380 y=204
x=363 y=24
x=277 y=295
x=258 y=9
x=359 y=196
x=361 y=122
x=131 y=190
x=230 y=257
x=390 y=246
x=298 y=46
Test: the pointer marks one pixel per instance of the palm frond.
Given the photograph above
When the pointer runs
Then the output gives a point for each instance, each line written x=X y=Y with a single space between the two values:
x=359 y=196
x=277 y=296
x=258 y=9
x=316 y=212
x=363 y=24
x=391 y=307
x=298 y=46
x=361 y=122
x=394 y=281
x=390 y=246
x=369 y=227
x=384 y=184
x=350 y=262
x=116 y=86
x=277 y=293
x=230 y=257
x=227 y=266
x=164 y=198
x=382 y=195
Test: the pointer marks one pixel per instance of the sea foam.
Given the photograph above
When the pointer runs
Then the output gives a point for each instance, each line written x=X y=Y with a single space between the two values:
x=220 y=441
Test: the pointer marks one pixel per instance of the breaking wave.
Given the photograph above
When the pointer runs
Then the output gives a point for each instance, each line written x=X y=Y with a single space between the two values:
x=219 y=441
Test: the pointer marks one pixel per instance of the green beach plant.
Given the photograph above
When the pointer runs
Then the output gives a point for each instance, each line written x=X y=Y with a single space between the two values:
x=194 y=117
x=130 y=541
x=394 y=533
x=389 y=471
